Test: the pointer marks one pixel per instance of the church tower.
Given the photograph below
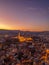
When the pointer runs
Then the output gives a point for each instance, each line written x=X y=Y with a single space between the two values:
x=19 y=35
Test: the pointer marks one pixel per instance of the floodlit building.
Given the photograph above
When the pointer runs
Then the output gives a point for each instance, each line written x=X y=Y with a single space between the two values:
x=22 y=38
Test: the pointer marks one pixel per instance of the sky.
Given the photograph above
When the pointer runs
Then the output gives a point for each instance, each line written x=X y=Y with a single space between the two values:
x=28 y=15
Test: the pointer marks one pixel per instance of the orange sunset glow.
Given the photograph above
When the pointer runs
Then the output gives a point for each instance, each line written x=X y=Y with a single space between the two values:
x=8 y=27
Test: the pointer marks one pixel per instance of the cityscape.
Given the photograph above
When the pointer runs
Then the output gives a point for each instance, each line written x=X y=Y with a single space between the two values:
x=24 y=32
x=24 y=47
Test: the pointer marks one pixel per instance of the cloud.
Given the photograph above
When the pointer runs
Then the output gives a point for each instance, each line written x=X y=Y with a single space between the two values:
x=33 y=9
x=48 y=8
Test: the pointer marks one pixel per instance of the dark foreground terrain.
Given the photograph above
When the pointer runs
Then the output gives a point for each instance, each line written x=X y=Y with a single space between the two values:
x=24 y=48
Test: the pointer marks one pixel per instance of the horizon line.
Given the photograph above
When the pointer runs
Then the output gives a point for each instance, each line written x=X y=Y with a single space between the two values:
x=25 y=30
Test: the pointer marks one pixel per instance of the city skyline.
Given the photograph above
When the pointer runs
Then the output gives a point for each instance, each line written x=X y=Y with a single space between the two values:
x=28 y=15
